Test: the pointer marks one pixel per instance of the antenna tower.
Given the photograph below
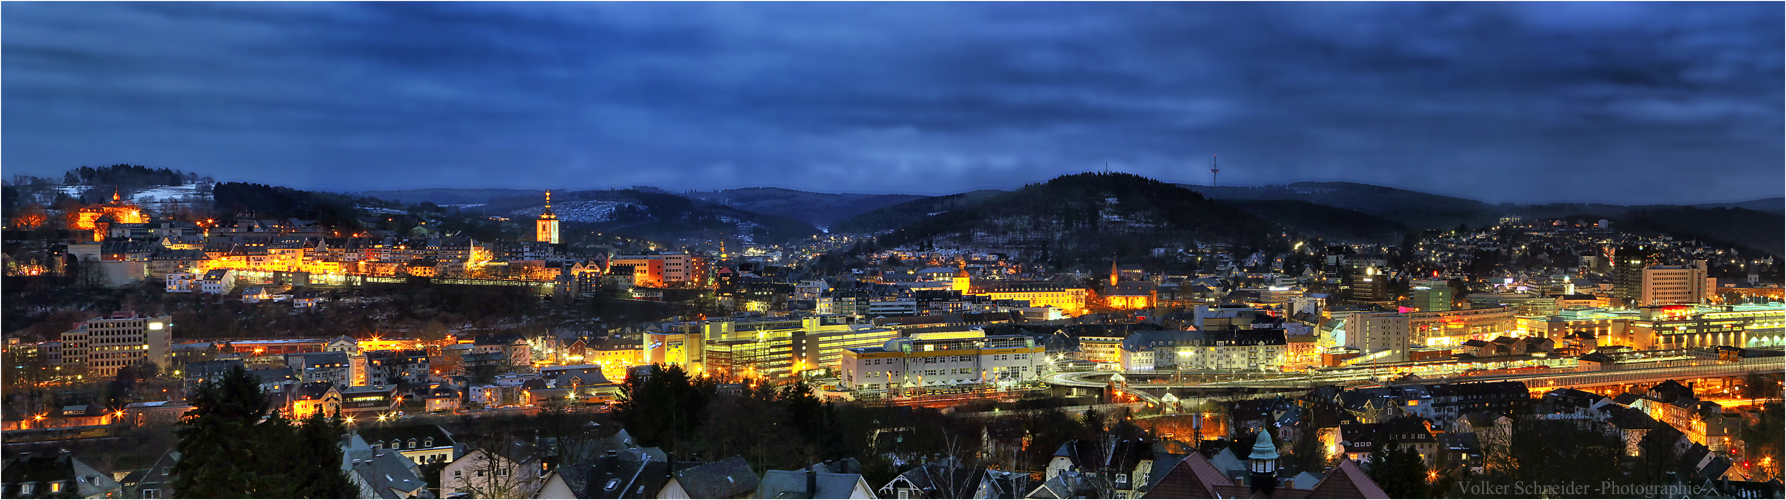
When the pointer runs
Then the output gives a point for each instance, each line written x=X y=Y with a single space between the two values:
x=1213 y=169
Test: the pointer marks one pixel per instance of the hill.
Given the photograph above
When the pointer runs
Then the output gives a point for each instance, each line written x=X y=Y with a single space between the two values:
x=1414 y=209
x=900 y=215
x=1321 y=221
x=1770 y=205
x=1086 y=218
x=1736 y=227
x=651 y=215
x=818 y=209
x=447 y=196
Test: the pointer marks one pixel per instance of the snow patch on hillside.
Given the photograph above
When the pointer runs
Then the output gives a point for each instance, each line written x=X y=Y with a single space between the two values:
x=578 y=210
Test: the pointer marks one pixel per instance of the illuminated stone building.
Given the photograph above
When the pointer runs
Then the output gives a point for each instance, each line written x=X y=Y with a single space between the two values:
x=1069 y=299
x=98 y=218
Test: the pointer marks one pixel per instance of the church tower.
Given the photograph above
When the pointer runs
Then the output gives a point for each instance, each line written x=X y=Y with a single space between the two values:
x=546 y=228
x=962 y=280
x=1113 y=273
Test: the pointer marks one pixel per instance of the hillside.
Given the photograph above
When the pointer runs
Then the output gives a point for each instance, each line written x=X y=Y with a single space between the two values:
x=1775 y=205
x=900 y=215
x=818 y=209
x=1085 y=218
x=1740 y=227
x=1414 y=209
x=1330 y=223
x=446 y=196
x=652 y=215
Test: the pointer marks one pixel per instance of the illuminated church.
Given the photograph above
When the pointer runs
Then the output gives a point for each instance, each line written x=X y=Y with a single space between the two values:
x=546 y=228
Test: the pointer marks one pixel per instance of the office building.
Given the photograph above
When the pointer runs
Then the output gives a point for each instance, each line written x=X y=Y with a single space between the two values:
x=1673 y=285
x=106 y=345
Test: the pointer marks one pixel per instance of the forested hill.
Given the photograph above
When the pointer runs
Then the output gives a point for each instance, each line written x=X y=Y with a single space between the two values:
x=1330 y=223
x=1414 y=209
x=897 y=216
x=1083 y=218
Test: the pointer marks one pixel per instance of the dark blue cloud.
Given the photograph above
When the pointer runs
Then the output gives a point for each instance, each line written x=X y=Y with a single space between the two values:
x=1616 y=102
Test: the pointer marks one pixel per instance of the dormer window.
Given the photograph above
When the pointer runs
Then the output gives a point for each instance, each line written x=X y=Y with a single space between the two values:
x=412 y=443
x=428 y=443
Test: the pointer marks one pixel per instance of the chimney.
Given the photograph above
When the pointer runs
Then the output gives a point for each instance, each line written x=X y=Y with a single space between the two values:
x=812 y=481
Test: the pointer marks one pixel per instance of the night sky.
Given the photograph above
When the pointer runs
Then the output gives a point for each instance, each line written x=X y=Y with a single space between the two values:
x=1502 y=102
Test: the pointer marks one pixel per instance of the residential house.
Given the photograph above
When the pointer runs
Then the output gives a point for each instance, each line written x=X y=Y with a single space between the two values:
x=513 y=471
x=424 y=444
x=811 y=483
x=58 y=475
x=729 y=478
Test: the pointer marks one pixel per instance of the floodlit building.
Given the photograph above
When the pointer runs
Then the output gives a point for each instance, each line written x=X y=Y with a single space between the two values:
x=911 y=367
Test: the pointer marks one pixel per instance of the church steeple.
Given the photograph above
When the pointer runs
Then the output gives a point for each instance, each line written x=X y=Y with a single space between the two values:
x=1113 y=273
x=546 y=228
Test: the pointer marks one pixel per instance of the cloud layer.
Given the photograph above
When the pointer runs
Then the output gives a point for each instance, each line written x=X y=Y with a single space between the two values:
x=1522 y=102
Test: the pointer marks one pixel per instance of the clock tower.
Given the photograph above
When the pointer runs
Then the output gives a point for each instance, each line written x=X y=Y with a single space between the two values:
x=546 y=228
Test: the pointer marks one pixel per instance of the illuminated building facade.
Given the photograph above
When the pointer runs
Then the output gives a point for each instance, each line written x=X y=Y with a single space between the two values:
x=1677 y=327
x=1452 y=328
x=1669 y=285
x=908 y=367
x=98 y=218
x=1070 y=300
x=769 y=347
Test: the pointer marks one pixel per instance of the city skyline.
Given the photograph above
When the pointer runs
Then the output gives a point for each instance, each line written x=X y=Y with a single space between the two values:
x=1520 y=103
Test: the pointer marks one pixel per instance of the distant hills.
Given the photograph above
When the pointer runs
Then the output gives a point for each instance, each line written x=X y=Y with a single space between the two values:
x=1758 y=225
x=1076 y=219
x=818 y=209
x=1341 y=211
x=1414 y=209
x=446 y=196
x=650 y=214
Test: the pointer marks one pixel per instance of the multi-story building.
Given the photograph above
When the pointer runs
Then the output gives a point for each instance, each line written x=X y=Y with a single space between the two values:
x=1627 y=272
x=1100 y=349
x=106 y=345
x=334 y=367
x=1069 y=299
x=1432 y=297
x=1251 y=349
x=1670 y=285
x=906 y=367
x=767 y=347
x=1454 y=327
x=1373 y=333
x=405 y=367
x=666 y=269
x=1677 y=327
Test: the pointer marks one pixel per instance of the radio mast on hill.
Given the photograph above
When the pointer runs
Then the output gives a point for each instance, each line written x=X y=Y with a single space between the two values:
x=1213 y=169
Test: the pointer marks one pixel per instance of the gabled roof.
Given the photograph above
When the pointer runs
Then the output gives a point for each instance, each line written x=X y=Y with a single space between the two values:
x=1193 y=477
x=792 y=484
x=729 y=478
x=1347 y=480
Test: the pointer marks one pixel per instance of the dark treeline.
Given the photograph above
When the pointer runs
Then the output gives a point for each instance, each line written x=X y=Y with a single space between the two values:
x=276 y=202
x=787 y=427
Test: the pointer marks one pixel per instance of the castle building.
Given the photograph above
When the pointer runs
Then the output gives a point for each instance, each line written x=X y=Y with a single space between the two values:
x=546 y=228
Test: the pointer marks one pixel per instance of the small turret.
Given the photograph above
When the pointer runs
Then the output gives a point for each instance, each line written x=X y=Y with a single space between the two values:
x=1262 y=463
